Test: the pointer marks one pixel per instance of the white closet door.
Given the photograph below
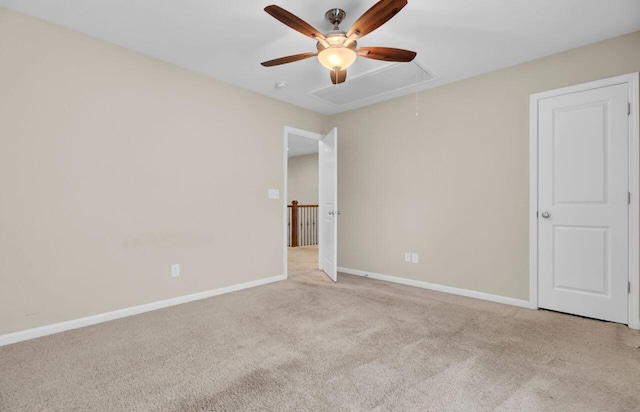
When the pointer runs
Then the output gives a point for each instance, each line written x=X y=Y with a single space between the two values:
x=582 y=203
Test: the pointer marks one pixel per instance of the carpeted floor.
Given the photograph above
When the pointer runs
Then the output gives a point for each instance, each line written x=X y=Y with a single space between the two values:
x=302 y=259
x=307 y=344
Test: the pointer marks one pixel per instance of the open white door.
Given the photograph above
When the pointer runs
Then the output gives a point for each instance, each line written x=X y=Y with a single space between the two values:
x=328 y=181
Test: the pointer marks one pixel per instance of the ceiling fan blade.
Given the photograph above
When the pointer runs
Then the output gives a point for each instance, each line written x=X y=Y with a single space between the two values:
x=376 y=16
x=288 y=59
x=293 y=21
x=338 y=77
x=388 y=54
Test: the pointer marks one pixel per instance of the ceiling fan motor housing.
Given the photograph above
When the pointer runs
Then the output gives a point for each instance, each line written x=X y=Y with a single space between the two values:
x=335 y=17
x=336 y=38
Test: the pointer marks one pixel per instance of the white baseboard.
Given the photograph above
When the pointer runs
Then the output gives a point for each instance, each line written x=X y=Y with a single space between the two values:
x=122 y=313
x=440 y=288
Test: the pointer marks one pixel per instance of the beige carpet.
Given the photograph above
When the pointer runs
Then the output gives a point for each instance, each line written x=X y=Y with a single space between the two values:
x=302 y=259
x=307 y=344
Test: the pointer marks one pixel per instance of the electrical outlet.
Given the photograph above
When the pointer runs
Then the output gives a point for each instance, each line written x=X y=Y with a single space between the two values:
x=414 y=258
x=175 y=270
x=407 y=257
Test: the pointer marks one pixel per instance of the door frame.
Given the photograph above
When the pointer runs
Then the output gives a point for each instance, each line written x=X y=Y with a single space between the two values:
x=632 y=82
x=285 y=213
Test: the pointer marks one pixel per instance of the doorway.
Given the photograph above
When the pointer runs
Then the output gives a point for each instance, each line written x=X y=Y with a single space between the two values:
x=310 y=202
x=584 y=200
x=302 y=204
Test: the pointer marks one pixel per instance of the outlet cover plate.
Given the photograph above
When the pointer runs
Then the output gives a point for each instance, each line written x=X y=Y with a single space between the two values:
x=175 y=270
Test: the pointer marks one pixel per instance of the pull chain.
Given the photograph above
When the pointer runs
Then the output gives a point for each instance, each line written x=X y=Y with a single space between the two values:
x=417 y=107
x=416 y=87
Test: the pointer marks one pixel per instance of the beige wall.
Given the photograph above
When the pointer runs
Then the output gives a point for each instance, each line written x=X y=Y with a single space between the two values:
x=302 y=179
x=452 y=183
x=113 y=166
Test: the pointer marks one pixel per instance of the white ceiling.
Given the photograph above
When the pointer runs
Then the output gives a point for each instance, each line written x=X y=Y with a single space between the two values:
x=300 y=146
x=455 y=39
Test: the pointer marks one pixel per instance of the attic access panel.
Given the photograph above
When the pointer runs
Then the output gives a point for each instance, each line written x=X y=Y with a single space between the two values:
x=388 y=79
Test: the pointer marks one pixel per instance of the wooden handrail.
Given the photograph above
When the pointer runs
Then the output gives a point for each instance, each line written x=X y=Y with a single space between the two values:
x=303 y=205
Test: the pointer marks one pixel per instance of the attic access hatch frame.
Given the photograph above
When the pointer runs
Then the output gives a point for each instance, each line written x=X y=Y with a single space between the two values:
x=426 y=76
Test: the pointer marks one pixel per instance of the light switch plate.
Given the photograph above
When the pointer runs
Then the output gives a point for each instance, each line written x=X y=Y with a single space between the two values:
x=407 y=257
x=274 y=194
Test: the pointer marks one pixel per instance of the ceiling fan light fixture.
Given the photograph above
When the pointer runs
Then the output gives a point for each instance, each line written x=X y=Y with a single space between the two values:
x=337 y=49
x=337 y=56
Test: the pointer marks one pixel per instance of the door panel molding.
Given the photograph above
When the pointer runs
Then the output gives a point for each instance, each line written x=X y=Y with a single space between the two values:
x=632 y=82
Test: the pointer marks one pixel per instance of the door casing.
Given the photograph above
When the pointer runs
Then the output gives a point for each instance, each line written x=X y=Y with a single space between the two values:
x=632 y=82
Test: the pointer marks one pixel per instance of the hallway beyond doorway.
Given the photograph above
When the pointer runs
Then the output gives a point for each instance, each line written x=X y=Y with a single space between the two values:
x=302 y=259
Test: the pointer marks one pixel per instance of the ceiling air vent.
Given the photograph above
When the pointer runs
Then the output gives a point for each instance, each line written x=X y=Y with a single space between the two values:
x=389 y=79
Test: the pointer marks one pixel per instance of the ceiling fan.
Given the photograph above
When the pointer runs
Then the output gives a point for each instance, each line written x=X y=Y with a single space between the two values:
x=337 y=49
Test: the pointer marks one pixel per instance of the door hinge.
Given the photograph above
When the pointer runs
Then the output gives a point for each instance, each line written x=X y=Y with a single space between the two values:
x=629 y=109
x=629 y=287
x=629 y=198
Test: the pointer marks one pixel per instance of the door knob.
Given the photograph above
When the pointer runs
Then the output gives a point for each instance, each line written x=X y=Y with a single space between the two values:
x=546 y=215
x=331 y=213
